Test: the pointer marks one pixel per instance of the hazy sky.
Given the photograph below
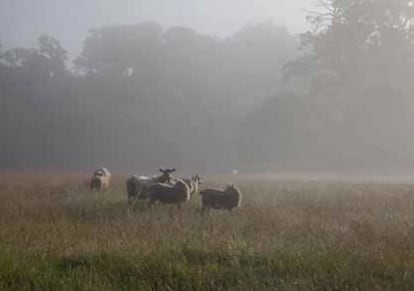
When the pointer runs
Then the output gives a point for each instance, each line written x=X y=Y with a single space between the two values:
x=22 y=21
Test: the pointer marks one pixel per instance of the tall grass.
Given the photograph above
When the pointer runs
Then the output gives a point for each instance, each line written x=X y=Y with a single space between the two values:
x=288 y=235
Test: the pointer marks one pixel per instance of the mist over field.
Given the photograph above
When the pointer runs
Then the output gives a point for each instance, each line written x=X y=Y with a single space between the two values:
x=208 y=87
x=251 y=111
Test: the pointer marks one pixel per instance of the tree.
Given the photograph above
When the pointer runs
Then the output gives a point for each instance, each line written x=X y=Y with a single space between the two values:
x=46 y=61
x=359 y=57
x=360 y=41
x=112 y=50
x=55 y=54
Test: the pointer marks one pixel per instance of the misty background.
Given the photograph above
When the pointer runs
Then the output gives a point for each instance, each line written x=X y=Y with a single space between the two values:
x=212 y=87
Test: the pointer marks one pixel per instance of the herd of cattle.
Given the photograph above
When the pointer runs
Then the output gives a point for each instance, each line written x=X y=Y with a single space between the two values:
x=170 y=190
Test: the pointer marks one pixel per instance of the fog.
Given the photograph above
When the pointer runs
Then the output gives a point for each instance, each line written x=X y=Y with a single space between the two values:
x=21 y=22
x=207 y=87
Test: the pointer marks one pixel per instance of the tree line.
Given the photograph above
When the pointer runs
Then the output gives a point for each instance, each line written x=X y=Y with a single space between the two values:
x=338 y=97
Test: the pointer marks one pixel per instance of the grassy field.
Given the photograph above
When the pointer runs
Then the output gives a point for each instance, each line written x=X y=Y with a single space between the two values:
x=288 y=235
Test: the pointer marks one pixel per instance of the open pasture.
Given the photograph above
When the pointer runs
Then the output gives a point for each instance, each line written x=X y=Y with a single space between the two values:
x=55 y=234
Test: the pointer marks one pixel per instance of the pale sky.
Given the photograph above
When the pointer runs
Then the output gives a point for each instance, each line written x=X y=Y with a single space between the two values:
x=22 y=21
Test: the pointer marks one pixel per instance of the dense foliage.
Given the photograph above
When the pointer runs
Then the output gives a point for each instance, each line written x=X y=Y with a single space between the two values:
x=140 y=96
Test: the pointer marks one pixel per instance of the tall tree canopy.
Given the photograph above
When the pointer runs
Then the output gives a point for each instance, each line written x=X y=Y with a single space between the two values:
x=361 y=41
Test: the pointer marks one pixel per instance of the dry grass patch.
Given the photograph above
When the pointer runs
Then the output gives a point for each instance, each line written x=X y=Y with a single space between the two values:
x=288 y=235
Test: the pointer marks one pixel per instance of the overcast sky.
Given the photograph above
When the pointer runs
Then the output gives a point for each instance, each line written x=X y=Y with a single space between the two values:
x=22 y=21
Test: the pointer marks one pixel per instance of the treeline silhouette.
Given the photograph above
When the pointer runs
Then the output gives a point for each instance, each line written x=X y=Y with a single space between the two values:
x=338 y=97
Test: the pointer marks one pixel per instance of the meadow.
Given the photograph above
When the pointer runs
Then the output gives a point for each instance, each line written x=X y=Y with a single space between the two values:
x=55 y=234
